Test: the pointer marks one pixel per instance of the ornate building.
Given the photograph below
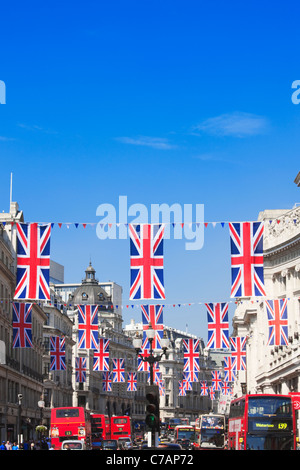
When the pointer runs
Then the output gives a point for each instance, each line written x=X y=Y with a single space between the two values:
x=21 y=369
x=90 y=393
x=273 y=369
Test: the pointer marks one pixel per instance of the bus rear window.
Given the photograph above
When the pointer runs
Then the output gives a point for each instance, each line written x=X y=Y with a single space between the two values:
x=67 y=413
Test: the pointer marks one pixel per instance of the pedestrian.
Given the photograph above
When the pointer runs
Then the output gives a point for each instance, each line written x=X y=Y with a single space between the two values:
x=2 y=447
x=26 y=446
x=15 y=446
x=8 y=445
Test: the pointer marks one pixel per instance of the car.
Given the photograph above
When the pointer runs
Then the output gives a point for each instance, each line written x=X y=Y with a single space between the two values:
x=169 y=445
x=126 y=441
x=109 y=444
x=73 y=445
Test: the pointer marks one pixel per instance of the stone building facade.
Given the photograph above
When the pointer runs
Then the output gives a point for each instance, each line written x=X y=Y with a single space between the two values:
x=273 y=369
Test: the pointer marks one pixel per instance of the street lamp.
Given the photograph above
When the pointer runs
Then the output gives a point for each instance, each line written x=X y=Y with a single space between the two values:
x=152 y=395
x=151 y=359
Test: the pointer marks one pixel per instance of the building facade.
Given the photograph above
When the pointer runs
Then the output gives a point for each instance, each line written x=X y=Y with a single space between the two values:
x=273 y=369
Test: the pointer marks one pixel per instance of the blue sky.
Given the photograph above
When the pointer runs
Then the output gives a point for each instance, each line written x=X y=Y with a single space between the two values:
x=164 y=102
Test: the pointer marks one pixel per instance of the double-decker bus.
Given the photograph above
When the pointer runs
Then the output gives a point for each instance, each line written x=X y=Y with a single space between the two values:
x=100 y=428
x=183 y=432
x=70 y=423
x=262 y=422
x=173 y=423
x=120 y=426
x=210 y=432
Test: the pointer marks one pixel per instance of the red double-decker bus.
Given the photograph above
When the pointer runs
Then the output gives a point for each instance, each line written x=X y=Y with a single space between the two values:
x=100 y=426
x=262 y=422
x=120 y=426
x=70 y=423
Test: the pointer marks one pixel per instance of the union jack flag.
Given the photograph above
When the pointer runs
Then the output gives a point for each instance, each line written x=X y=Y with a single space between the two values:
x=161 y=387
x=211 y=393
x=106 y=382
x=146 y=261
x=22 y=323
x=156 y=373
x=118 y=370
x=216 y=380
x=226 y=389
x=57 y=353
x=88 y=326
x=247 y=261
x=101 y=355
x=188 y=382
x=204 y=388
x=143 y=366
x=238 y=351
x=277 y=321
x=33 y=261
x=229 y=369
x=80 y=369
x=191 y=358
x=182 y=388
x=153 y=314
x=131 y=382
x=218 y=326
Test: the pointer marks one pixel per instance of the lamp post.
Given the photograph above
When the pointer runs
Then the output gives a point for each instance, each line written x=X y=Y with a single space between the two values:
x=151 y=359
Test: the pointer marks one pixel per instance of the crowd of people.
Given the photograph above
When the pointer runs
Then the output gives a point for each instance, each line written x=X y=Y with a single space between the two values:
x=43 y=444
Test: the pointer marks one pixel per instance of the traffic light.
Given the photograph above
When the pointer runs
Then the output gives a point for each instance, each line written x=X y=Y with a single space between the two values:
x=152 y=407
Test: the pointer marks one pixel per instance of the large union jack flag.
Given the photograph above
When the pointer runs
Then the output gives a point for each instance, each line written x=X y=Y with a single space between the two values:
x=218 y=326
x=146 y=261
x=88 y=326
x=247 y=261
x=57 y=353
x=229 y=369
x=80 y=369
x=191 y=351
x=216 y=380
x=118 y=370
x=153 y=314
x=33 y=261
x=101 y=355
x=238 y=351
x=278 y=322
x=131 y=382
x=22 y=323
x=106 y=382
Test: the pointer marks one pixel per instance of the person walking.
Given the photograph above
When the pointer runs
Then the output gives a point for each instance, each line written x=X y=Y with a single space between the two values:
x=2 y=447
x=8 y=445
x=15 y=446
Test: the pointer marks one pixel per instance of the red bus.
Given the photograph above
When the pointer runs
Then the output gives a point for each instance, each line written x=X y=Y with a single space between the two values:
x=70 y=423
x=184 y=432
x=262 y=422
x=100 y=427
x=210 y=432
x=173 y=423
x=120 y=426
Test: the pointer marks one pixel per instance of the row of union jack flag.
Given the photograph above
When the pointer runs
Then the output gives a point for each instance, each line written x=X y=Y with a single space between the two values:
x=217 y=385
x=146 y=261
